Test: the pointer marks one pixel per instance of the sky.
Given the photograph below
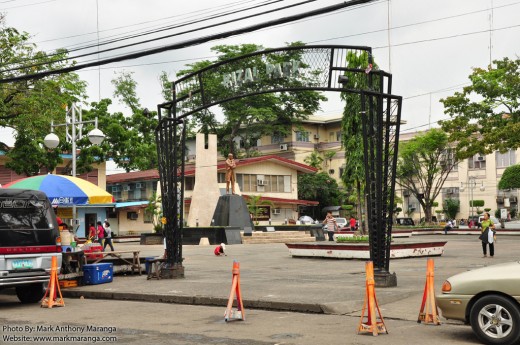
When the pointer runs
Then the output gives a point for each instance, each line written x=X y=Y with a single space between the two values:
x=429 y=46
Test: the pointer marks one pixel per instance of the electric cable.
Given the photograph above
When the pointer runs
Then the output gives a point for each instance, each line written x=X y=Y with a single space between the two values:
x=188 y=43
x=160 y=38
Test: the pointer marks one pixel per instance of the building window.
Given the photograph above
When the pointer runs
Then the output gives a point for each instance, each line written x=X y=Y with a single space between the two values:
x=277 y=138
x=270 y=183
x=302 y=136
x=505 y=159
x=189 y=182
x=221 y=177
x=477 y=162
x=338 y=136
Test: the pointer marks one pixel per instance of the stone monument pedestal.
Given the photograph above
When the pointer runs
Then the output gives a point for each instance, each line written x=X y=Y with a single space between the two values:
x=232 y=210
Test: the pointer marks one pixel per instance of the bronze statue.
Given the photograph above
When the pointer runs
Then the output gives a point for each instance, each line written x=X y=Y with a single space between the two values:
x=230 y=173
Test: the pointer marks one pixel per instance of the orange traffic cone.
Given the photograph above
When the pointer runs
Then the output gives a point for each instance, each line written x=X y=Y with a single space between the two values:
x=371 y=325
x=429 y=312
x=230 y=313
x=49 y=299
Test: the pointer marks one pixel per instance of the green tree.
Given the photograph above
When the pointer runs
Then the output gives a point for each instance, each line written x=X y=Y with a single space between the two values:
x=424 y=164
x=253 y=204
x=485 y=116
x=319 y=187
x=352 y=127
x=154 y=209
x=510 y=178
x=314 y=160
x=29 y=106
x=451 y=208
x=255 y=116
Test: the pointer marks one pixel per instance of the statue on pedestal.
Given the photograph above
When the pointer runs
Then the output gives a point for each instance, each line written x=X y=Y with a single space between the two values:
x=230 y=173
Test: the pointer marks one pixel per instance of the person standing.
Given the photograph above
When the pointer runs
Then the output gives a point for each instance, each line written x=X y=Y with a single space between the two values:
x=352 y=223
x=108 y=237
x=331 y=225
x=100 y=232
x=92 y=233
x=488 y=236
x=230 y=173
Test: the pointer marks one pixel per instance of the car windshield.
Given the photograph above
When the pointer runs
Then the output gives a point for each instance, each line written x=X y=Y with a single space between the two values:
x=21 y=222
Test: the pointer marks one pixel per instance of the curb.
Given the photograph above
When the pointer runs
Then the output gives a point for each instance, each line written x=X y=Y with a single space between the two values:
x=197 y=300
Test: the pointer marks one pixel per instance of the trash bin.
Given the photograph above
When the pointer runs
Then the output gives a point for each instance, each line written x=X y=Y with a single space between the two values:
x=147 y=264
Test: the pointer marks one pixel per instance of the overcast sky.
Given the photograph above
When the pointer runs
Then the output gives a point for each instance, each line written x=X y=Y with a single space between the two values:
x=434 y=44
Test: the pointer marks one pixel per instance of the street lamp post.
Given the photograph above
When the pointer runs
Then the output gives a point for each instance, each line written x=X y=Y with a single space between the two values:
x=471 y=183
x=74 y=120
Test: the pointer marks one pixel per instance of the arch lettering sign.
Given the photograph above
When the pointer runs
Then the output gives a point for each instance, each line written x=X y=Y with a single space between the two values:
x=319 y=68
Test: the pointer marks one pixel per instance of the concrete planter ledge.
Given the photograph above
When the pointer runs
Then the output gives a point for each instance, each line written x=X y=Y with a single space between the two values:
x=361 y=250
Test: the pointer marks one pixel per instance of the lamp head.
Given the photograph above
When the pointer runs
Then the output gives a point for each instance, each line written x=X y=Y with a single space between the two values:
x=96 y=137
x=51 y=141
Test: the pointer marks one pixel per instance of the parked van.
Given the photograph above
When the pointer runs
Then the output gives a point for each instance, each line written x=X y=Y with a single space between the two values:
x=28 y=241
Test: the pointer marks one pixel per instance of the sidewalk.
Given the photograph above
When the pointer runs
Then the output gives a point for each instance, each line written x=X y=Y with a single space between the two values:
x=271 y=279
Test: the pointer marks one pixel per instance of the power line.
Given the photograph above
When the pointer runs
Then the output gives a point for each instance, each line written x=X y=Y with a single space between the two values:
x=141 y=23
x=188 y=43
x=125 y=46
x=162 y=37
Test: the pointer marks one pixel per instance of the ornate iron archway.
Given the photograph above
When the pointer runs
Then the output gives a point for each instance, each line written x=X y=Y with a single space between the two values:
x=319 y=68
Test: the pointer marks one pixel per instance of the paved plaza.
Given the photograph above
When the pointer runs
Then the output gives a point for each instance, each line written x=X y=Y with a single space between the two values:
x=272 y=279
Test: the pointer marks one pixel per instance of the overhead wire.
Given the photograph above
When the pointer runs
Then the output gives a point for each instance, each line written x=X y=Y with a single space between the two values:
x=145 y=22
x=188 y=43
x=104 y=43
x=166 y=28
x=163 y=37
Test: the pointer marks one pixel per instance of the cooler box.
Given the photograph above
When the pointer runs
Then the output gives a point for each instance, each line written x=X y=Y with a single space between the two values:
x=98 y=273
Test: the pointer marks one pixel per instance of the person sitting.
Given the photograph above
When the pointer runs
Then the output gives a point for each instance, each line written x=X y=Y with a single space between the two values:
x=220 y=250
x=448 y=227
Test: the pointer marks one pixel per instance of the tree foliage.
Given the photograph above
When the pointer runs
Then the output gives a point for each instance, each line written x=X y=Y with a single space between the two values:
x=253 y=204
x=319 y=187
x=424 y=164
x=510 y=178
x=485 y=116
x=352 y=126
x=255 y=116
x=28 y=106
x=451 y=207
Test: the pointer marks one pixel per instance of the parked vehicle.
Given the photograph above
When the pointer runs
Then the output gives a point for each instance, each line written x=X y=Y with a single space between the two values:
x=342 y=224
x=405 y=221
x=306 y=220
x=488 y=299
x=28 y=241
x=478 y=219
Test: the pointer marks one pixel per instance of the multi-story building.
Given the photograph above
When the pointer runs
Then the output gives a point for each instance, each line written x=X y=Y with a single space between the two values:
x=474 y=178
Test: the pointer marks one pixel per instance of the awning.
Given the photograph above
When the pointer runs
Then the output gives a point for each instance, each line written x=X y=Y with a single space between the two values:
x=131 y=205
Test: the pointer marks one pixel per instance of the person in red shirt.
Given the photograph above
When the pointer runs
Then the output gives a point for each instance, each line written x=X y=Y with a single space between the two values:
x=100 y=233
x=352 y=223
x=220 y=250
x=92 y=233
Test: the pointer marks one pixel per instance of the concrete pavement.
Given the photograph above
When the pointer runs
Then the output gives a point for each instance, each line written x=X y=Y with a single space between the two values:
x=271 y=279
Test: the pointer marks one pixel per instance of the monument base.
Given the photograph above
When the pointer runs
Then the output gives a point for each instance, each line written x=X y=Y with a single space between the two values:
x=385 y=279
x=172 y=271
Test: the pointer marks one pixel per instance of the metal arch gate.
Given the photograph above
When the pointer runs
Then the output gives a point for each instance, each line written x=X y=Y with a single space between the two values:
x=319 y=68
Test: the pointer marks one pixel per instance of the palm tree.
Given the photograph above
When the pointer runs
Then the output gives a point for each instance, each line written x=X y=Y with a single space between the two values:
x=253 y=204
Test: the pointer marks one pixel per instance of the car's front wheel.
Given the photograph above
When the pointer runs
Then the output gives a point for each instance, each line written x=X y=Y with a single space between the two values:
x=496 y=320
